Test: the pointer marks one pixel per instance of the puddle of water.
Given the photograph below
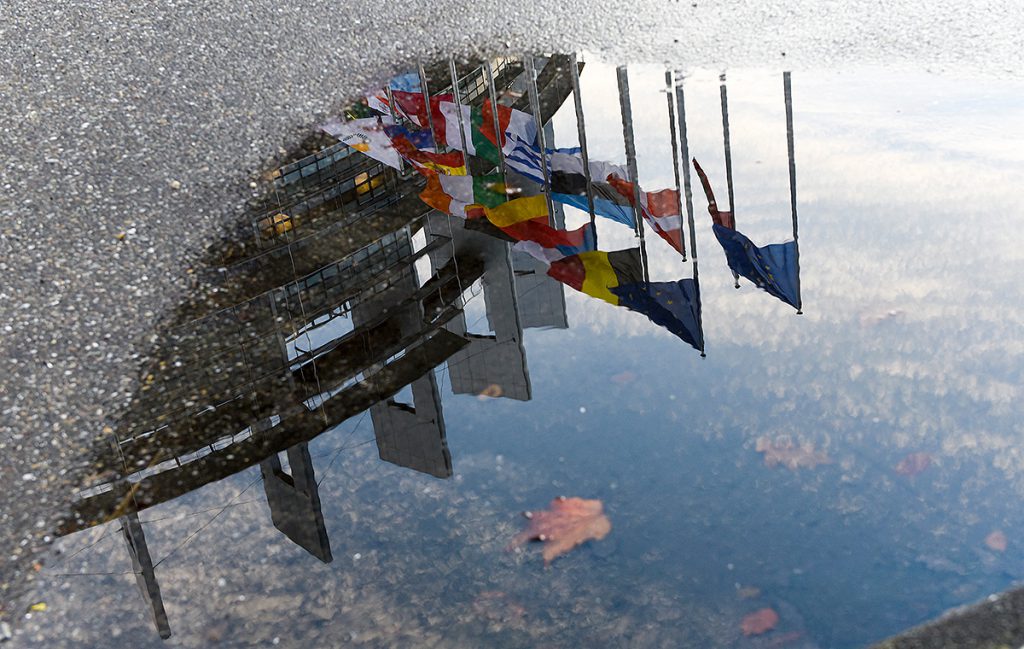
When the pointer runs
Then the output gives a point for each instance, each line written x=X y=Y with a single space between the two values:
x=390 y=363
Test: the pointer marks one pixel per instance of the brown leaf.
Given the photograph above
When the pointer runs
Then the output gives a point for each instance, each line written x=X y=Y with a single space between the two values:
x=759 y=622
x=789 y=454
x=567 y=523
x=996 y=541
x=914 y=463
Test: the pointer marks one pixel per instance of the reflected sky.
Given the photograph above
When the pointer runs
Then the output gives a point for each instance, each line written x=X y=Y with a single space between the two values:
x=434 y=407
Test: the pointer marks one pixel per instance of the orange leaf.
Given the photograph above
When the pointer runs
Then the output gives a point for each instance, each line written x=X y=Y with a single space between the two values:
x=567 y=523
x=759 y=622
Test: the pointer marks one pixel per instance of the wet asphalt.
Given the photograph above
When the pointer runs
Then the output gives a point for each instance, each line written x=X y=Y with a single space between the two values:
x=132 y=137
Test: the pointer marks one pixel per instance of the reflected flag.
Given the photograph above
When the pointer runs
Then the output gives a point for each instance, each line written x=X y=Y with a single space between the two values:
x=672 y=305
x=412 y=105
x=538 y=239
x=660 y=209
x=526 y=220
x=597 y=273
x=617 y=278
x=479 y=130
x=463 y=195
x=366 y=135
x=569 y=183
x=417 y=147
x=773 y=268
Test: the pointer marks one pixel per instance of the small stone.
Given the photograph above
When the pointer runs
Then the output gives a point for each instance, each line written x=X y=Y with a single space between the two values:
x=28 y=477
x=175 y=184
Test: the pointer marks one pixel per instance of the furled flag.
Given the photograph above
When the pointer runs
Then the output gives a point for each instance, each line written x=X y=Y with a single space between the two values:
x=367 y=136
x=773 y=268
x=460 y=195
x=568 y=182
x=660 y=209
x=724 y=219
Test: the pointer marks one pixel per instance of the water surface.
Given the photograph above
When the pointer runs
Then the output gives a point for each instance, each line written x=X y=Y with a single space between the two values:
x=338 y=433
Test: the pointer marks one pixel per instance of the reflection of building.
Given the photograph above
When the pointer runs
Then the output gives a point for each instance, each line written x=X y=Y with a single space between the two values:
x=347 y=296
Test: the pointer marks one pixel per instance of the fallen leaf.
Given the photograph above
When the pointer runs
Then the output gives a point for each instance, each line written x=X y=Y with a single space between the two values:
x=567 y=523
x=759 y=622
x=749 y=592
x=789 y=454
x=996 y=541
x=914 y=463
x=38 y=607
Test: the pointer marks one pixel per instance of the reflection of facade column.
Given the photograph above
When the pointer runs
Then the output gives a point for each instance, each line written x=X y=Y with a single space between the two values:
x=541 y=298
x=493 y=364
x=411 y=435
x=145 y=575
x=294 y=500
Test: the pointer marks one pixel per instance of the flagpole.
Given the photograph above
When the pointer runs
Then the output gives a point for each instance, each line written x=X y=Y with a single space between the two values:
x=394 y=118
x=465 y=161
x=669 y=87
x=788 y=93
x=493 y=95
x=686 y=168
x=728 y=158
x=457 y=96
x=627 y=135
x=430 y=112
x=700 y=311
x=581 y=128
x=531 y=79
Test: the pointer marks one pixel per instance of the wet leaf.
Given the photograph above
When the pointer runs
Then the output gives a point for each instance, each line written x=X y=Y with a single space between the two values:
x=748 y=592
x=996 y=541
x=789 y=454
x=914 y=463
x=759 y=622
x=567 y=522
